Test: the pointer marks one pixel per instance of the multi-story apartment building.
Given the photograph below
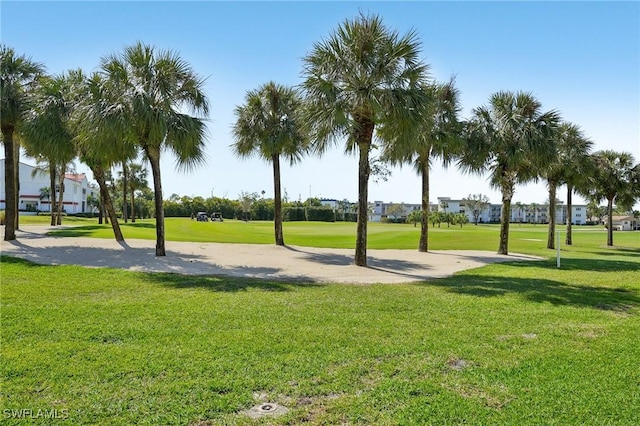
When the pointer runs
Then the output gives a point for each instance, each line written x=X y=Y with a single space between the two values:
x=520 y=213
x=33 y=194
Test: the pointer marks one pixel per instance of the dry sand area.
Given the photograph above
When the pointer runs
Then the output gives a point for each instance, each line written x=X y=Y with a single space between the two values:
x=247 y=260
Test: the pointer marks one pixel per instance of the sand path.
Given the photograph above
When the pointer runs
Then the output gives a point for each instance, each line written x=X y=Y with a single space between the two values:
x=247 y=260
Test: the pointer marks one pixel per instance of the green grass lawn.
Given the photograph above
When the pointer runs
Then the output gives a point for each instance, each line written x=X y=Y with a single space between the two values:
x=521 y=343
x=529 y=239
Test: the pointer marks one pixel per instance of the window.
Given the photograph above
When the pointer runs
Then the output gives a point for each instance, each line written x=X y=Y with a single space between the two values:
x=84 y=191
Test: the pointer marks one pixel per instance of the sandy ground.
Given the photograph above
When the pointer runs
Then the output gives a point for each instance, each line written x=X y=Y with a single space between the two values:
x=247 y=260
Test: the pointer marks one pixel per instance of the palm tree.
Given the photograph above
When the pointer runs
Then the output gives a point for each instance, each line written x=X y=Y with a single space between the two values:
x=147 y=89
x=577 y=165
x=269 y=126
x=511 y=139
x=364 y=77
x=137 y=180
x=438 y=136
x=47 y=131
x=616 y=180
x=532 y=210
x=519 y=207
x=18 y=75
x=99 y=144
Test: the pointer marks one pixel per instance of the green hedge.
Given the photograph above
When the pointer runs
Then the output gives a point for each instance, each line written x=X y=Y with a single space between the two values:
x=320 y=214
x=294 y=214
x=316 y=214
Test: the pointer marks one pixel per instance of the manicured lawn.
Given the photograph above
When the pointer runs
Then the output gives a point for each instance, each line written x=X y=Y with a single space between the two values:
x=529 y=239
x=520 y=343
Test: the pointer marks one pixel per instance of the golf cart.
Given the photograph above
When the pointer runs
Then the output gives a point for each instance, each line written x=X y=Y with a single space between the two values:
x=202 y=217
x=216 y=216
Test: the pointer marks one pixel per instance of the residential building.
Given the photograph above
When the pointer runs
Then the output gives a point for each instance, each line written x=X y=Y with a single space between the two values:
x=625 y=223
x=521 y=213
x=33 y=197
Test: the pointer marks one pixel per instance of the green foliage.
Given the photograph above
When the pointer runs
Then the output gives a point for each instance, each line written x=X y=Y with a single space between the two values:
x=320 y=214
x=294 y=214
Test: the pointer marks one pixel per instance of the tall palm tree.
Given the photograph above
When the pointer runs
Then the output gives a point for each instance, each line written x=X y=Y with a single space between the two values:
x=47 y=131
x=18 y=75
x=577 y=165
x=511 y=139
x=439 y=135
x=269 y=126
x=362 y=77
x=615 y=179
x=148 y=88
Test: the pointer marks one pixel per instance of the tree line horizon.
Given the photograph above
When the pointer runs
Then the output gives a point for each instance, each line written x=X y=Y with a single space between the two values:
x=365 y=86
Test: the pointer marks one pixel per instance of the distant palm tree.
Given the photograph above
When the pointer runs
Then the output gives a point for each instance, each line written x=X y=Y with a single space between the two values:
x=577 y=164
x=18 y=75
x=269 y=126
x=511 y=139
x=364 y=77
x=615 y=179
x=532 y=212
x=438 y=135
x=137 y=180
x=148 y=89
x=519 y=207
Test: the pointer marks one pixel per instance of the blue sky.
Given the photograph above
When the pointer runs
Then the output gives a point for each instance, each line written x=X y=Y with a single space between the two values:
x=581 y=58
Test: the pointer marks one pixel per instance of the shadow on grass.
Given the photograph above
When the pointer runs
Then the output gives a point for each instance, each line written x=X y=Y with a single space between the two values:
x=593 y=265
x=226 y=283
x=76 y=231
x=17 y=261
x=139 y=225
x=542 y=291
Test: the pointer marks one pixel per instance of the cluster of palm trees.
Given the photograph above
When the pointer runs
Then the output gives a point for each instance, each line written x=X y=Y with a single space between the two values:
x=133 y=105
x=365 y=86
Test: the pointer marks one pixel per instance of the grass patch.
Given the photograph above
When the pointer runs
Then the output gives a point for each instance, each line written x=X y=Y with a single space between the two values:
x=530 y=239
x=514 y=343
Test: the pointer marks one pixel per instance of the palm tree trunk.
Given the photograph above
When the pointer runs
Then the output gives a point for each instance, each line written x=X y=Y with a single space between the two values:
x=9 y=184
x=363 y=195
x=507 y=195
x=98 y=174
x=277 y=201
x=551 y=235
x=568 y=240
x=101 y=212
x=133 y=204
x=423 y=245
x=61 y=196
x=52 y=192
x=610 y=221
x=124 y=191
x=153 y=154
